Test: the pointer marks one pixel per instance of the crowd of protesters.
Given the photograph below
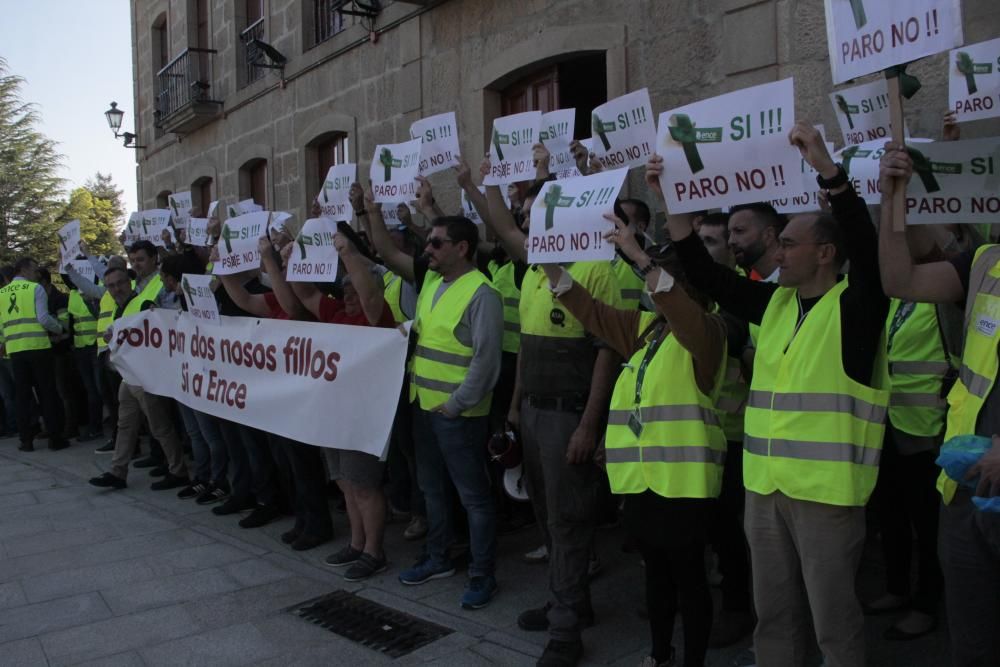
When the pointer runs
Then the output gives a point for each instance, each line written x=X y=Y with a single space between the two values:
x=748 y=387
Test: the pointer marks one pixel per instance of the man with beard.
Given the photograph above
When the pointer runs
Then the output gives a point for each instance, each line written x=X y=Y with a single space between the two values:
x=753 y=237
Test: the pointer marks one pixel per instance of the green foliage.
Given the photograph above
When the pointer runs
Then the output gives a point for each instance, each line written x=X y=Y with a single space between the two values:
x=29 y=183
x=98 y=206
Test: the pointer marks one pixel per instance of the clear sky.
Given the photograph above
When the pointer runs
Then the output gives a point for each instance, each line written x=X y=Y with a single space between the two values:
x=76 y=57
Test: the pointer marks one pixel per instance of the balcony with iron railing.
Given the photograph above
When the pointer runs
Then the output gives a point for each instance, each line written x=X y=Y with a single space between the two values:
x=183 y=95
x=251 y=52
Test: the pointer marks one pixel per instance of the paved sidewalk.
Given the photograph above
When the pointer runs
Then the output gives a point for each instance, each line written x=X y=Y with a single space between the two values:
x=137 y=577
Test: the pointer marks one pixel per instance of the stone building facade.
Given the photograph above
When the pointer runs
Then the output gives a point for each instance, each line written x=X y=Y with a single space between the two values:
x=213 y=123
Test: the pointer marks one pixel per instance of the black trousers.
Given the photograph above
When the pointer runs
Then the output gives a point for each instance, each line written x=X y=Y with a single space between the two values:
x=33 y=369
x=907 y=503
x=302 y=466
x=726 y=533
x=672 y=534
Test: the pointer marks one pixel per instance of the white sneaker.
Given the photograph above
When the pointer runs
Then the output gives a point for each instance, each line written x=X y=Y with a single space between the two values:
x=539 y=555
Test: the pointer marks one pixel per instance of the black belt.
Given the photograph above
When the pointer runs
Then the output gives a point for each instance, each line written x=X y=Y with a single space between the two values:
x=575 y=403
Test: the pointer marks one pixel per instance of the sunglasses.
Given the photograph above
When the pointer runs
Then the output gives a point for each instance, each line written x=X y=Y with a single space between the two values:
x=437 y=242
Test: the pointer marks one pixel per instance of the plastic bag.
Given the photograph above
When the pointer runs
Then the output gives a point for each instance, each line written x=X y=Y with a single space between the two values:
x=957 y=455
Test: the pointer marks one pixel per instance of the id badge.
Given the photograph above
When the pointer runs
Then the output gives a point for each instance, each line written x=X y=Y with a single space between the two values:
x=635 y=423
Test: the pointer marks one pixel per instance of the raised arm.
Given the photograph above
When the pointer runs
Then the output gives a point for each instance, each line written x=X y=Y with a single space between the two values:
x=282 y=289
x=397 y=260
x=463 y=175
x=935 y=282
x=255 y=304
x=425 y=202
x=502 y=222
x=368 y=288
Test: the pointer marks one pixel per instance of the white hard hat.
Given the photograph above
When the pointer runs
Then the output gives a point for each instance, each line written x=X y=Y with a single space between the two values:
x=515 y=484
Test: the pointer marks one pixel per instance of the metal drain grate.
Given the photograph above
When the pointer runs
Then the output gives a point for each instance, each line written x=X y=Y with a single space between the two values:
x=368 y=623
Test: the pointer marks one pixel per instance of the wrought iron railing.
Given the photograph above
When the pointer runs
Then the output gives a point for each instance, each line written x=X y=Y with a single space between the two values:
x=327 y=19
x=251 y=53
x=184 y=80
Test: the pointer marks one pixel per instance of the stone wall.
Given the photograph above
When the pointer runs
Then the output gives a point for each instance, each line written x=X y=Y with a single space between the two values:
x=452 y=55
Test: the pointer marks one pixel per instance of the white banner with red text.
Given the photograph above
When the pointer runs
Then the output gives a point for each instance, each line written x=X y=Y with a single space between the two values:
x=330 y=385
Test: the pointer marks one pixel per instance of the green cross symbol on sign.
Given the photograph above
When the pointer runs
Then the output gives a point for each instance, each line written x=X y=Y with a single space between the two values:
x=186 y=286
x=849 y=153
x=227 y=236
x=554 y=198
x=303 y=241
x=13 y=305
x=683 y=131
x=499 y=139
x=62 y=241
x=173 y=205
x=386 y=160
x=601 y=128
x=970 y=69
x=858 y=9
x=925 y=168
x=847 y=109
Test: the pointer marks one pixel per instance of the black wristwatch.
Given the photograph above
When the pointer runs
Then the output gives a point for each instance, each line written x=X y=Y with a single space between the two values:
x=644 y=271
x=835 y=182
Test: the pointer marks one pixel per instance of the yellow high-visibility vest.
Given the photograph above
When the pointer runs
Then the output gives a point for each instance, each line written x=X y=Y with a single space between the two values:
x=21 y=329
x=978 y=372
x=812 y=432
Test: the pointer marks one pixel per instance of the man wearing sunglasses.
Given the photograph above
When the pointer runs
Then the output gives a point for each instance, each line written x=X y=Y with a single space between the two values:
x=815 y=418
x=459 y=327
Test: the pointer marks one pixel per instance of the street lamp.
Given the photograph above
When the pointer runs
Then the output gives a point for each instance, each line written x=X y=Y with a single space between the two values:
x=114 y=116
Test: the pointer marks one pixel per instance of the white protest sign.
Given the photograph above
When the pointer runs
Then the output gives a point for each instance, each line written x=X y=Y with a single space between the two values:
x=440 y=149
x=974 y=81
x=954 y=181
x=807 y=199
x=623 y=131
x=556 y=135
x=197 y=232
x=314 y=258
x=334 y=200
x=180 y=207
x=510 y=148
x=866 y=36
x=468 y=210
x=390 y=213
x=567 y=218
x=200 y=298
x=238 y=242
x=863 y=112
x=147 y=226
x=85 y=268
x=69 y=240
x=331 y=385
x=731 y=149
x=242 y=208
x=394 y=170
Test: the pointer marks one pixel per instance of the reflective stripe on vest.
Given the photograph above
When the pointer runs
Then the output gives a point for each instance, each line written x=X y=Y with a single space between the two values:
x=732 y=400
x=84 y=323
x=917 y=366
x=105 y=317
x=979 y=357
x=680 y=449
x=503 y=281
x=630 y=285
x=812 y=432
x=21 y=329
x=393 y=293
x=440 y=360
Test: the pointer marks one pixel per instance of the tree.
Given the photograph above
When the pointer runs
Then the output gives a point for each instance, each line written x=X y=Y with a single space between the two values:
x=98 y=207
x=30 y=187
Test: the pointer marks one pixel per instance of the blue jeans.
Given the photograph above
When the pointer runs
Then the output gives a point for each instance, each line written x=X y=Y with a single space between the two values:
x=456 y=449
x=199 y=448
x=210 y=431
